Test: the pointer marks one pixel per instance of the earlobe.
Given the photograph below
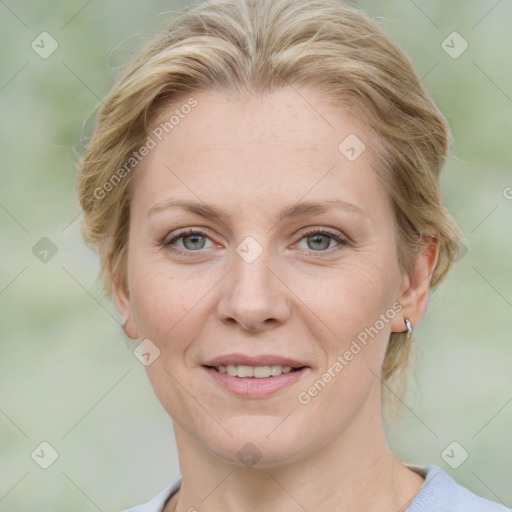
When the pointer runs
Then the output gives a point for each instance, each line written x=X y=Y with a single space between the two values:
x=415 y=290
x=129 y=328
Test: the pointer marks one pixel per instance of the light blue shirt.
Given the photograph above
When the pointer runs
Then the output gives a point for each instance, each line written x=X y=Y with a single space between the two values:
x=439 y=493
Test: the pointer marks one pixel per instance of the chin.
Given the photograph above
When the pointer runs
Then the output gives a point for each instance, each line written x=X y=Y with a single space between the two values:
x=263 y=447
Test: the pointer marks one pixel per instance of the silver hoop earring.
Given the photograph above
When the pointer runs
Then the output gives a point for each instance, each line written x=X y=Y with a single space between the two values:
x=408 y=326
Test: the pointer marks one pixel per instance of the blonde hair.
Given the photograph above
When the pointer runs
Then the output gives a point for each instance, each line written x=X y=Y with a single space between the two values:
x=259 y=46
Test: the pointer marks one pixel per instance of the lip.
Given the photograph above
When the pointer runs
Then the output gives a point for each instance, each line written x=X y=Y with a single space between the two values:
x=261 y=360
x=252 y=387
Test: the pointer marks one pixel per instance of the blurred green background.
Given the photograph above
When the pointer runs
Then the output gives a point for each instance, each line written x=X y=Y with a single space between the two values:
x=68 y=376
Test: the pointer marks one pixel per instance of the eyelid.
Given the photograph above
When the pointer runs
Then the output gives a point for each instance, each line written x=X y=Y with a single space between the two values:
x=182 y=232
x=322 y=230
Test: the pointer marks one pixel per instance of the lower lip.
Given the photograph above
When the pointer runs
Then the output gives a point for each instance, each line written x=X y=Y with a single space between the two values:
x=251 y=387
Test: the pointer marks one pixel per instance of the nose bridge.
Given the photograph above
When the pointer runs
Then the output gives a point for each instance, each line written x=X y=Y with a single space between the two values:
x=253 y=294
x=253 y=277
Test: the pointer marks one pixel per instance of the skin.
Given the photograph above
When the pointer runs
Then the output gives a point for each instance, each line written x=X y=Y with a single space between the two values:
x=306 y=298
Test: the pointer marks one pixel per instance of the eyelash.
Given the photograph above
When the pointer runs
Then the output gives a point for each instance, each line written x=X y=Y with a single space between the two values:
x=306 y=233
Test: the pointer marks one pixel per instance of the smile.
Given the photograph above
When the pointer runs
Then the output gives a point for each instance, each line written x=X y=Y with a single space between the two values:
x=258 y=372
x=255 y=381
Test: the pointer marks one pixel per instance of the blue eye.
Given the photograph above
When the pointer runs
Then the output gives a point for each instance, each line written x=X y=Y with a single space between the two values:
x=192 y=240
x=319 y=240
x=196 y=242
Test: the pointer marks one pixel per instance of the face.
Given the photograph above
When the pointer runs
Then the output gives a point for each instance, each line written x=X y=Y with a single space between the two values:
x=252 y=233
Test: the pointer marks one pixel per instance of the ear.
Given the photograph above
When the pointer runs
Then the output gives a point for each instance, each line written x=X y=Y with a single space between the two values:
x=123 y=301
x=415 y=287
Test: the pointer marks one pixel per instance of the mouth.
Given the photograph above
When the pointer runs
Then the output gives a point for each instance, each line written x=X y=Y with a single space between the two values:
x=255 y=382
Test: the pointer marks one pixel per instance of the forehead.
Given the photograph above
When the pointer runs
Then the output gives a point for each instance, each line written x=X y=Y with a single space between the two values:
x=257 y=147
x=302 y=116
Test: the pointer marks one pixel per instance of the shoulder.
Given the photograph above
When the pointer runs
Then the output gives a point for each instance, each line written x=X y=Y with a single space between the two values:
x=440 y=493
x=157 y=503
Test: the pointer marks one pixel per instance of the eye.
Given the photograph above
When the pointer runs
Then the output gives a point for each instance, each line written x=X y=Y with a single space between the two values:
x=187 y=240
x=191 y=240
x=319 y=240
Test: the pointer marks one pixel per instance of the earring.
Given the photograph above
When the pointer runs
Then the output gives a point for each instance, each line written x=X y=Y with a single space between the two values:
x=123 y=325
x=408 y=326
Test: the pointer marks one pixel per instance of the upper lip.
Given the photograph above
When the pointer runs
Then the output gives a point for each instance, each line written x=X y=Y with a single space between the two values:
x=253 y=360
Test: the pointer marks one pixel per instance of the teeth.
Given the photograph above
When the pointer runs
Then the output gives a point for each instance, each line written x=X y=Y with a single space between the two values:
x=259 y=372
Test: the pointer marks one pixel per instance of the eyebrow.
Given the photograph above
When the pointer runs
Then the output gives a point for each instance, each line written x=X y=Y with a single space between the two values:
x=291 y=212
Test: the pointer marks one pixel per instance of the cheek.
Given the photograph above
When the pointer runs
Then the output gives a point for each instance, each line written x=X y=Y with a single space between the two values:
x=348 y=305
x=168 y=302
x=350 y=298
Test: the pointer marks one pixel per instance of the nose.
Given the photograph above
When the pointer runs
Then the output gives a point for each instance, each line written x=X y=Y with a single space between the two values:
x=253 y=296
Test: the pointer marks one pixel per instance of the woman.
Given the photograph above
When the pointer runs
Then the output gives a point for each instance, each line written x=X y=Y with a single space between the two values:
x=263 y=189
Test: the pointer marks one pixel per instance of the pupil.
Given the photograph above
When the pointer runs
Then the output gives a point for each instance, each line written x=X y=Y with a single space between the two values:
x=317 y=239
x=196 y=242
